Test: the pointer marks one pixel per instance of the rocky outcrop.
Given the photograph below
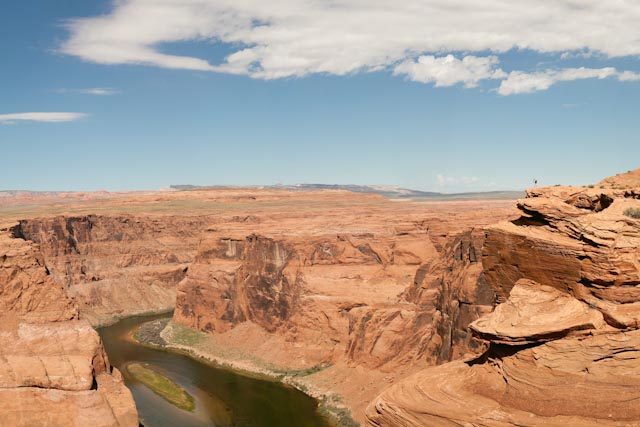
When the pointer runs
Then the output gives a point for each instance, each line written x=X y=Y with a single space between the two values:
x=61 y=355
x=27 y=290
x=300 y=287
x=370 y=306
x=387 y=302
x=455 y=287
x=535 y=313
x=53 y=368
x=355 y=288
x=57 y=374
x=239 y=280
x=115 y=266
x=564 y=341
x=568 y=382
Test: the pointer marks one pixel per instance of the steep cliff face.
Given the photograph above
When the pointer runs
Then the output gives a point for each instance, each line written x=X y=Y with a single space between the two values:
x=430 y=324
x=383 y=302
x=454 y=285
x=53 y=368
x=564 y=340
x=115 y=266
x=27 y=290
x=234 y=281
x=367 y=289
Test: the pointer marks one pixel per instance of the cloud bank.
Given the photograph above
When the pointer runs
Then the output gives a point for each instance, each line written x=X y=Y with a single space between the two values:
x=41 y=117
x=99 y=91
x=413 y=38
x=446 y=180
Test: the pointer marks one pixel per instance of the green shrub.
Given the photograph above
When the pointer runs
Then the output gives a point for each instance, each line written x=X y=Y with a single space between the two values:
x=632 y=213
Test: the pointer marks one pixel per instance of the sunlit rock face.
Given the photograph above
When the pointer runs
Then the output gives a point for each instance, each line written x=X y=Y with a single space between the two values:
x=115 y=265
x=27 y=290
x=53 y=368
x=564 y=341
x=373 y=289
x=377 y=301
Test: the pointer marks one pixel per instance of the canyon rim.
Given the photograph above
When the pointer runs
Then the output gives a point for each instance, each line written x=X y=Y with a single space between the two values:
x=319 y=213
x=389 y=313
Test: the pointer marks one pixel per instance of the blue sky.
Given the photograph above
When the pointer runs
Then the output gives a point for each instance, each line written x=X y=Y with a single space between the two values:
x=358 y=106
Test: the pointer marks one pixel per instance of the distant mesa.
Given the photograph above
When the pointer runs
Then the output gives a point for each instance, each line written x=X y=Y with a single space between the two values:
x=391 y=192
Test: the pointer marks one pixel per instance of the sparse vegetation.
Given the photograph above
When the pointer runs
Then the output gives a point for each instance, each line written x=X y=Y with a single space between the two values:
x=187 y=336
x=194 y=340
x=632 y=213
x=305 y=372
x=162 y=386
x=340 y=415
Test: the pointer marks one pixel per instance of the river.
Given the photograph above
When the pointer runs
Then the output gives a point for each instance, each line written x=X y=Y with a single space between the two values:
x=217 y=392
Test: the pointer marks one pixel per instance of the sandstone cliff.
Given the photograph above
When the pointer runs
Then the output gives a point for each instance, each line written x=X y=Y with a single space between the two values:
x=350 y=292
x=53 y=368
x=116 y=265
x=564 y=341
x=367 y=306
x=28 y=291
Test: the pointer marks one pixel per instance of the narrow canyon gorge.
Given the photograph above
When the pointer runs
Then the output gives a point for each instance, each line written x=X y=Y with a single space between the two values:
x=389 y=312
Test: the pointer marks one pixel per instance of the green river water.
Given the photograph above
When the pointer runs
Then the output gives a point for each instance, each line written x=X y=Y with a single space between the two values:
x=219 y=394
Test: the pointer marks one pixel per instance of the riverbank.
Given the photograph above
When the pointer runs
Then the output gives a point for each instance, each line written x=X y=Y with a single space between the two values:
x=164 y=334
x=218 y=393
x=104 y=320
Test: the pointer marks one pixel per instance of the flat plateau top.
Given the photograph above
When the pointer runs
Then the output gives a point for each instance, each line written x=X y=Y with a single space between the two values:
x=270 y=211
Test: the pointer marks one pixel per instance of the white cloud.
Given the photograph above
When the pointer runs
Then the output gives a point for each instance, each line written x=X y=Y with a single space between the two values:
x=629 y=76
x=41 y=117
x=519 y=82
x=100 y=91
x=444 y=180
x=448 y=70
x=284 y=38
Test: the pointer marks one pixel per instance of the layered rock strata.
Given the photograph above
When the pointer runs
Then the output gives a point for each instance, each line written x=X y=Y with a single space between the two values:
x=372 y=305
x=564 y=342
x=53 y=368
x=373 y=302
x=115 y=266
x=364 y=289
x=28 y=291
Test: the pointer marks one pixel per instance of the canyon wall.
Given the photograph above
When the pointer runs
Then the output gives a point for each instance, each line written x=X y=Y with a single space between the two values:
x=53 y=368
x=564 y=340
x=115 y=265
x=351 y=291
x=380 y=302
x=367 y=306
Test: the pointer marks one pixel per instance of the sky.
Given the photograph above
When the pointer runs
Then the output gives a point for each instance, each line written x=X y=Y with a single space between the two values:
x=437 y=95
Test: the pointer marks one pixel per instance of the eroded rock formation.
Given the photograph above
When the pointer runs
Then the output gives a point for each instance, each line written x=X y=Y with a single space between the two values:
x=53 y=368
x=115 y=266
x=369 y=288
x=330 y=291
x=564 y=341
x=28 y=292
x=374 y=304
